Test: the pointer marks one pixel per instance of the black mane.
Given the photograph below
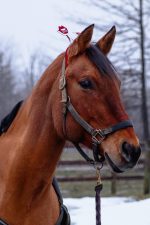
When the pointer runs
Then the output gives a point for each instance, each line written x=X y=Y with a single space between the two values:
x=100 y=60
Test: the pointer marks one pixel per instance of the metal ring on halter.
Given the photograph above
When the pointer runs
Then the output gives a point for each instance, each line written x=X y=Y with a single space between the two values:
x=98 y=165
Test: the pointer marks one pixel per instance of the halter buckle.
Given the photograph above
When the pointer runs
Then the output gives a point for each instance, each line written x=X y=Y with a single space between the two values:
x=95 y=133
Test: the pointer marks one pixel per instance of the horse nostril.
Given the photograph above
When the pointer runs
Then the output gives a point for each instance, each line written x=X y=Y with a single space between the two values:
x=130 y=153
x=126 y=150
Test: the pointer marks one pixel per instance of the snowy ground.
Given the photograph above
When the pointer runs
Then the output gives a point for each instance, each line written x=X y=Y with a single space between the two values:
x=115 y=211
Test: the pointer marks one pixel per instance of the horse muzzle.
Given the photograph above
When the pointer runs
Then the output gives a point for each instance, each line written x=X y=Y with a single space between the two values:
x=130 y=155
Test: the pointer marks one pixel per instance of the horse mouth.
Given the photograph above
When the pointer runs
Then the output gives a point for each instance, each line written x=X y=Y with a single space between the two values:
x=112 y=165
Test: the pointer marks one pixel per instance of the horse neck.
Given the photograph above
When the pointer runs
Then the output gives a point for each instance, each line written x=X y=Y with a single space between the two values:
x=35 y=144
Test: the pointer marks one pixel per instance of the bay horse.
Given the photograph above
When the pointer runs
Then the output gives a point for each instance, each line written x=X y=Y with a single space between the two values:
x=83 y=84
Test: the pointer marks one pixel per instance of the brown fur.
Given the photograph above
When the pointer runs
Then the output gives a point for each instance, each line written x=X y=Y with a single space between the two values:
x=31 y=148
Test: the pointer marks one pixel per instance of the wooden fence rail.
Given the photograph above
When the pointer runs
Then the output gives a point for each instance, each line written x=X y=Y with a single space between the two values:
x=82 y=171
x=92 y=178
x=84 y=163
x=113 y=177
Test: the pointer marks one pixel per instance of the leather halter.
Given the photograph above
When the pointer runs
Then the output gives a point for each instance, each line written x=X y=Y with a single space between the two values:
x=97 y=135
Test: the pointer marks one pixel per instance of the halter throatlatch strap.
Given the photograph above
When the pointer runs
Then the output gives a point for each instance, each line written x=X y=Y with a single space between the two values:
x=98 y=135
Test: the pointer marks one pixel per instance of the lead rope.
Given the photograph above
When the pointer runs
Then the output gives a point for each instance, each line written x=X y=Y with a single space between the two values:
x=98 y=189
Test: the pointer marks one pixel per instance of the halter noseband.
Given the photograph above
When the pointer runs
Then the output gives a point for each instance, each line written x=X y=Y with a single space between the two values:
x=97 y=135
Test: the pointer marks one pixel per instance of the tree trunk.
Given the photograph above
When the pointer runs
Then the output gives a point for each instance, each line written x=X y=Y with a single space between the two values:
x=144 y=104
x=147 y=170
x=143 y=77
x=113 y=184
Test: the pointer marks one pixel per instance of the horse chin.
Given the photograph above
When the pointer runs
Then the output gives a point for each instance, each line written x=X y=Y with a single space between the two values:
x=113 y=166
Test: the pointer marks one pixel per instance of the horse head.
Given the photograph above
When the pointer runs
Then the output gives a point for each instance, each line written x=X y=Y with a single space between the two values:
x=93 y=87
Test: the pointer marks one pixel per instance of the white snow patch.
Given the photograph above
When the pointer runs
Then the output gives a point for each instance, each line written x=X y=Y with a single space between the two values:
x=118 y=211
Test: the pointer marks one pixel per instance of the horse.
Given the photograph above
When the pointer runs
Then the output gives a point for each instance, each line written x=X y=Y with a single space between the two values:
x=76 y=99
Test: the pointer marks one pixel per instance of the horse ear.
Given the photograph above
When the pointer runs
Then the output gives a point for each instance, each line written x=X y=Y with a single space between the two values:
x=81 y=42
x=106 y=42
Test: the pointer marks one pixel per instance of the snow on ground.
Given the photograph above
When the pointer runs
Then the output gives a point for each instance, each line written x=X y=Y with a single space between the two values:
x=118 y=211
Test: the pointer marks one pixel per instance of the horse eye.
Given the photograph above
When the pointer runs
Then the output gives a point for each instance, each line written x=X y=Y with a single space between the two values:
x=86 y=84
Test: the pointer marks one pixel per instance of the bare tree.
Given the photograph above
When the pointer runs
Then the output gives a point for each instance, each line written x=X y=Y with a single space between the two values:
x=8 y=95
x=36 y=66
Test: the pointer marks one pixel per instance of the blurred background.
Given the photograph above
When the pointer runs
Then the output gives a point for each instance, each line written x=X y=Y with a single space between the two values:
x=29 y=42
